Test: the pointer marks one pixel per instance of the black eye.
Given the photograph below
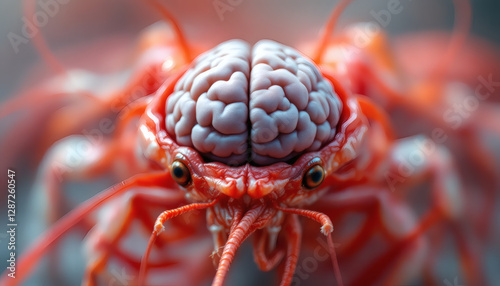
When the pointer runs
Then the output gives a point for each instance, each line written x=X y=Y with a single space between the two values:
x=180 y=173
x=313 y=177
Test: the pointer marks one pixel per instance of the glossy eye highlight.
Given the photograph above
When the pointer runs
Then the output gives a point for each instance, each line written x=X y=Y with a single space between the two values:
x=313 y=177
x=180 y=173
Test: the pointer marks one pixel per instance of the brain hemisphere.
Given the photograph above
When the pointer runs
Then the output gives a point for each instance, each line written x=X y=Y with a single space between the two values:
x=292 y=108
x=208 y=109
x=263 y=104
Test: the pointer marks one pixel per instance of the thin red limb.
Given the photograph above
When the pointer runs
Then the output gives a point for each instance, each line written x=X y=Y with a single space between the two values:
x=178 y=32
x=485 y=160
x=326 y=229
x=460 y=33
x=35 y=98
x=261 y=221
x=237 y=213
x=398 y=98
x=335 y=263
x=131 y=111
x=321 y=218
x=375 y=269
x=93 y=268
x=371 y=110
x=293 y=233
x=39 y=41
x=461 y=30
x=53 y=188
x=330 y=26
x=47 y=240
x=158 y=228
x=244 y=228
x=133 y=210
x=356 y=242
x=435 y=245
x=166 y=215
x=470 y=261
x=265 y=262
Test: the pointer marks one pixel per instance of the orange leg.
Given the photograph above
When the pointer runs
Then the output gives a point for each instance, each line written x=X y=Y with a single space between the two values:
x=381 y=264
x=106 y=237
x=159 y=228
x=396 y=220
x=293 y=232
x=83 y=157
x=47 y=241
x=265 y=261
x=326 y=229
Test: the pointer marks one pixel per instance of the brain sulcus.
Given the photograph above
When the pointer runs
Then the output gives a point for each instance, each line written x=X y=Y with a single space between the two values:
x=262 y=104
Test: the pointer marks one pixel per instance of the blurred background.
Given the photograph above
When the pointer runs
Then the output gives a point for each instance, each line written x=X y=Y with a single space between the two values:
x=79 y=22
x=83 y=34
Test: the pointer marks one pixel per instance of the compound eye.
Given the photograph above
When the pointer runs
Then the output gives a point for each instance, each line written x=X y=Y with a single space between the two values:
x=313 y=177
x=180 y=173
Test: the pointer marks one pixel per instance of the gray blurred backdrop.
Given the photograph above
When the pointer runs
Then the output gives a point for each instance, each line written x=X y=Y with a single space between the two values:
x=293 y=22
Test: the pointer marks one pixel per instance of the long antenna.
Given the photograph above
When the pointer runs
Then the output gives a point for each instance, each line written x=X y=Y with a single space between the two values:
x=330 y=26
x=461 y=30
x=177 y=29
x=39 y=42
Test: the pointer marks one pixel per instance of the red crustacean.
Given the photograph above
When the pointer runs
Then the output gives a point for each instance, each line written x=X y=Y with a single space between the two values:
x=244 y=141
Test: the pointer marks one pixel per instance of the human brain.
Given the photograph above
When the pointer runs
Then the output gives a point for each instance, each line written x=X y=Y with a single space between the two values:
x=260 y=104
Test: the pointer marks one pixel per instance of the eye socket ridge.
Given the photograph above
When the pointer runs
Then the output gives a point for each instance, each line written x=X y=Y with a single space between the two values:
x=180 y=173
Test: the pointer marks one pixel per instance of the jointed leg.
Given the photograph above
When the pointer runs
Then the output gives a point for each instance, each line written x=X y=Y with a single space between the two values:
x=293 y=233
x=264 y=260
x=159 y=228
x=383 y=214
x=326 y=229
x=29 y=259
x=433 y=164
x=103 y=241
x=84 y=157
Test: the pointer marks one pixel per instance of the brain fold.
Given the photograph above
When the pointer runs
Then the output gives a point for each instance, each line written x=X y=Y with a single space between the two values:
x=260 y=104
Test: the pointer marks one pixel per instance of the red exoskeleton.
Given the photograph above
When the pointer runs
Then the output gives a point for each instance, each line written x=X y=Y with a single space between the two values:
x=244 y=140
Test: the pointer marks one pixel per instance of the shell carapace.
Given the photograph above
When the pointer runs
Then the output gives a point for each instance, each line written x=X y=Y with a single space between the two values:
x=252 y=120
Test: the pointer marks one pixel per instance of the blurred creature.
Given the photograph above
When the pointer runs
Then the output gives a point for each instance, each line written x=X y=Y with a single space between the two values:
x=394 y=145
